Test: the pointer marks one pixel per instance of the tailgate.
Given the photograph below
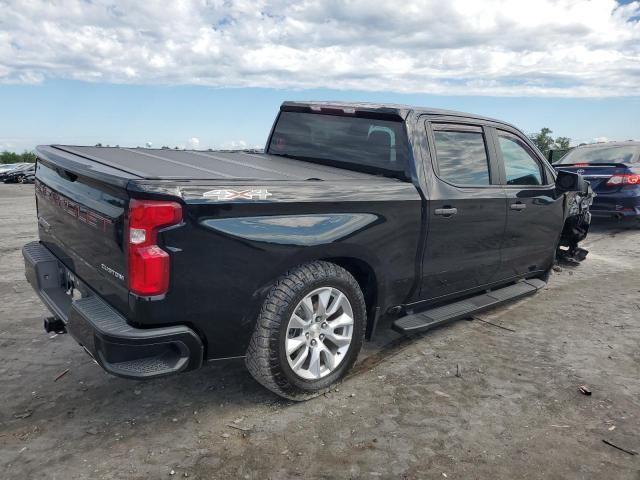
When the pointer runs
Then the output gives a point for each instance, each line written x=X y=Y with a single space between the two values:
x=81 y=213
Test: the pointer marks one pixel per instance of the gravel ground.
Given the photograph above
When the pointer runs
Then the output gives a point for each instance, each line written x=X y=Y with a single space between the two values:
x=514 y=411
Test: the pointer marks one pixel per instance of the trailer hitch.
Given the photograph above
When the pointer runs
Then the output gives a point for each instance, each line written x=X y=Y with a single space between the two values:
x=55 y=325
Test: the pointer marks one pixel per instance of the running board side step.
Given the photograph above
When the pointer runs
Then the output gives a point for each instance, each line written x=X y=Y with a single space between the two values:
x=435 y=317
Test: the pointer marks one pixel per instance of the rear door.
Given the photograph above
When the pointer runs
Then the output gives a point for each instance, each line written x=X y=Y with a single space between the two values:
x=535 y=212
x=466 y=210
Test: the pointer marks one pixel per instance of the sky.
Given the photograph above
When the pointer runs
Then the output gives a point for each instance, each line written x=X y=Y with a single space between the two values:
x=212 y=73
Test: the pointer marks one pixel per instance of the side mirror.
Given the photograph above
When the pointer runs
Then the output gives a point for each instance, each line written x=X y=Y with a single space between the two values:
x=570 y=182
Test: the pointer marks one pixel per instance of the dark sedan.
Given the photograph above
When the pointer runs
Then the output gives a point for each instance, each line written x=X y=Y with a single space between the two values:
x=613 y=169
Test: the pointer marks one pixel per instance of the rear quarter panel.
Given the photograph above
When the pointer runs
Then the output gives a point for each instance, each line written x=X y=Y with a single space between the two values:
x=229 y=252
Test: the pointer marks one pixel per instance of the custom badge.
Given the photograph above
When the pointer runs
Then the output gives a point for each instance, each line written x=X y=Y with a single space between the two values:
x=250 y=194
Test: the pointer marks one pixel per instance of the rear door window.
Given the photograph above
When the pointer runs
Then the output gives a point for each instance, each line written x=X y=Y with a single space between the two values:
x=461 y=155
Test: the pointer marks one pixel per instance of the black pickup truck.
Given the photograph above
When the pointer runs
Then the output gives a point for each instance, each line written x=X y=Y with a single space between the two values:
x=355 y=217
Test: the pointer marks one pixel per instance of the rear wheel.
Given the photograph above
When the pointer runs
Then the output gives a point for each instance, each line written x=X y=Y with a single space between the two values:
x=309 y=331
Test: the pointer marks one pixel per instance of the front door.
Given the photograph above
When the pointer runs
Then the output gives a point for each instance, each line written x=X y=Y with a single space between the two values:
x=466 y=211
x=535 y=212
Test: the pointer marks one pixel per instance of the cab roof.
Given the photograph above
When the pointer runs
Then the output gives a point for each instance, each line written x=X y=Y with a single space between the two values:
x=386 y=109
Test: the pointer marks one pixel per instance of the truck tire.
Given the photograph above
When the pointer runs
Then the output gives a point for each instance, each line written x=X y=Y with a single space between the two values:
x=309 y=331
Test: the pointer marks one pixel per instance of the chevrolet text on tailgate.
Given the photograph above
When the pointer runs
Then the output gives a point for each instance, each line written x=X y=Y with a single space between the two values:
x=356 y=217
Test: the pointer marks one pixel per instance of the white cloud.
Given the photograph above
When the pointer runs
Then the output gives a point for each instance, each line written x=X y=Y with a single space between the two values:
x=493 y=47
x=600 y=139
x=234 y=145
x=194 y=143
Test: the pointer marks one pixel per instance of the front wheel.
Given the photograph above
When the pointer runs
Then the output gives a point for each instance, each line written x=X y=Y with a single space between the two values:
x=309 y=331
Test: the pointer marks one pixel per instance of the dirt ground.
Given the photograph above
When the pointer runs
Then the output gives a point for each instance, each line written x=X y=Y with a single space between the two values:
x=513 y=412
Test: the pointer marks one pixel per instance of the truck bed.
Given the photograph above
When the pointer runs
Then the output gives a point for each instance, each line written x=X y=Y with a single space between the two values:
x=163 y=164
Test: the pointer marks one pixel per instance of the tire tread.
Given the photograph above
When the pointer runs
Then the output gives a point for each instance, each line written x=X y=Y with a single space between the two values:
x=262 y=359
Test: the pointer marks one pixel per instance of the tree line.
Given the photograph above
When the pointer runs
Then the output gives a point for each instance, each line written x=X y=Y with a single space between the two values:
x=546 y=143
x=12 y=157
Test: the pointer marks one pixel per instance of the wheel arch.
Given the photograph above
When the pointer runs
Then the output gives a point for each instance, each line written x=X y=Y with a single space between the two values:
x=358 y=261
x=367 y=279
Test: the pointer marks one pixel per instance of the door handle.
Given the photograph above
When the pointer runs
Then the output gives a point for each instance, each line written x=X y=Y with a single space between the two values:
x=518 y=206
x=446 y=212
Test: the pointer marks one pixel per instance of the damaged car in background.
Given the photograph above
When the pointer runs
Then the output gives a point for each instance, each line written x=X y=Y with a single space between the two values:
x=15 y=172
x=356 y=218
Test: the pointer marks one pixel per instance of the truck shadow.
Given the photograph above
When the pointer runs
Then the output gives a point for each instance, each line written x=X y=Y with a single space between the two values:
x=220 y=391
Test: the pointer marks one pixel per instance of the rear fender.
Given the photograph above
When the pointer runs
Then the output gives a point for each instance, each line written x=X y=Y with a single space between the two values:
x=322 y=252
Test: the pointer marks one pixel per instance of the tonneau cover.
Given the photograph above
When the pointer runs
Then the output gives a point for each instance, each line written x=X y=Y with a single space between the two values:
x=198 y=164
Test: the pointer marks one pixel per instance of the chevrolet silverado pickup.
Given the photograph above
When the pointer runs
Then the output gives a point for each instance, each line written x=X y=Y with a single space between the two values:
x=356 y=217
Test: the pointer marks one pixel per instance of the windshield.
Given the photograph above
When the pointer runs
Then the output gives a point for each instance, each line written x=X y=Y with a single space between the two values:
x=365 y=144
x=604 y=154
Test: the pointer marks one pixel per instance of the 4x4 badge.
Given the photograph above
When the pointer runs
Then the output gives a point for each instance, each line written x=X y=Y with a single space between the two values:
x=252 y=194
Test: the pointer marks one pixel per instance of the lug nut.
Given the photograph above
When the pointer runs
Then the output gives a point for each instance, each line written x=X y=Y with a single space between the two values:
x=324 y=325
x=313 y=342
x=306 y=334
x=322 y=336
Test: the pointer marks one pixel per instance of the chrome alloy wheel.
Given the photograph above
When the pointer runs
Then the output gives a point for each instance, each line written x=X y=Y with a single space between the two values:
x=319 y=333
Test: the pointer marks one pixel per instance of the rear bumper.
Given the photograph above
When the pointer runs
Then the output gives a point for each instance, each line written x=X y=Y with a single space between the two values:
x=118 y=347
x=621 y=204
x=614 y=214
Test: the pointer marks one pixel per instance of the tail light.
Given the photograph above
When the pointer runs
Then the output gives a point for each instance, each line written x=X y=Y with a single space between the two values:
x=624 y=179
x=148 y=263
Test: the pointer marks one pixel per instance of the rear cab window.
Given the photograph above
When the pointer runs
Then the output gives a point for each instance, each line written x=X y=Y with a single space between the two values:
x=461 y=155
x=364 y=144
